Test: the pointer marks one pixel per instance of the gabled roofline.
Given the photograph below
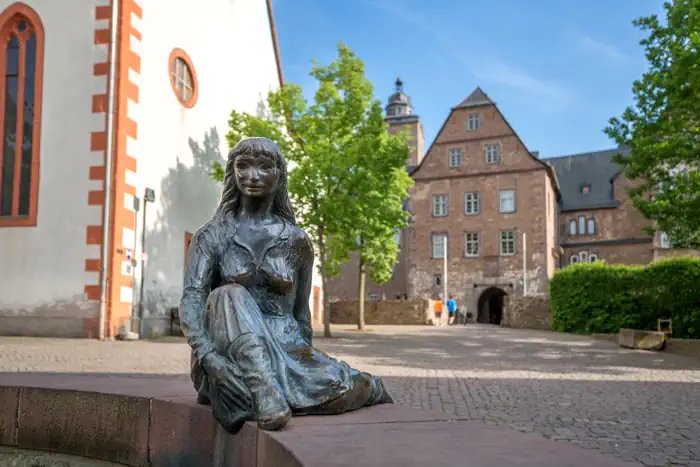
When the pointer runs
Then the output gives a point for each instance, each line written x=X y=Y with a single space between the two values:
x=550 y=170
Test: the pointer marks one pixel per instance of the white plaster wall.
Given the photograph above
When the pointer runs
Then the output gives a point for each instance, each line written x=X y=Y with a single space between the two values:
x=230 y=44
x=43 y=267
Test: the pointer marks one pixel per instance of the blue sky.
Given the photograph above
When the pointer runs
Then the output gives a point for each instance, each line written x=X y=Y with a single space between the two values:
x=557 y=69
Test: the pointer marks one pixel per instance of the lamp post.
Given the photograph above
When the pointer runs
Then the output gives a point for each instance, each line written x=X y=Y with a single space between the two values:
x=148 y=197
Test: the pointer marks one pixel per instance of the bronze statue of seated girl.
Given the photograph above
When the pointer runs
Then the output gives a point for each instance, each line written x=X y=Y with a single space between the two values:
x=245 y=306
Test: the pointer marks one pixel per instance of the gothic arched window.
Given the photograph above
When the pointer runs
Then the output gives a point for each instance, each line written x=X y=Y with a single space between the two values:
x=21 y=67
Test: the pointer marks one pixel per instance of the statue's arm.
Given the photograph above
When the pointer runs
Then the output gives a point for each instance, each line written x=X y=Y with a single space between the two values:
x=302 y=312
x=198 y=278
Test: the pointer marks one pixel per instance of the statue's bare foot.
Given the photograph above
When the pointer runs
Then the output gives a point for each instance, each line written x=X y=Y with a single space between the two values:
x=271 y=407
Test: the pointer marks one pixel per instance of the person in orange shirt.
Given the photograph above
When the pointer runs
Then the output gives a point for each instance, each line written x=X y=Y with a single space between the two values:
x=437 y=308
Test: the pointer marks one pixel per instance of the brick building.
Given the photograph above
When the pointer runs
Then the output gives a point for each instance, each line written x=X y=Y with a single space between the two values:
x=480 y=187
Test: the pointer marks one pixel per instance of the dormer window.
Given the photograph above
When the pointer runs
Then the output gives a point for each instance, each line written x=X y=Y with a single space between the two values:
x=474 y=122
x=586 y=189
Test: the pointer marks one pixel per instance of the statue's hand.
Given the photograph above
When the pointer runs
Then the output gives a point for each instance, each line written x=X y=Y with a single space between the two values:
x=214 y=366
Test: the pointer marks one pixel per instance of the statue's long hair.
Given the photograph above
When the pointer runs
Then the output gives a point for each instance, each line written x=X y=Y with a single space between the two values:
x=231 y=196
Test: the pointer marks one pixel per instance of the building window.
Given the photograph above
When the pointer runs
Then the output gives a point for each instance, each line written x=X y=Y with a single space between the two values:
x=440 y=205
x=471 y=244
x=585 y=189
x=455 y=158
x=664 y=241
x=581 y=225
x=493 y=153
x=372 y=296
x=474 y=122
x=439 y=245
x=397 y=237
x=583 y=257
x=471 y=203
x=507 y=243
x=572 y=227
x=591 y=226
x=507 y=201
x=437 y=280
x=183 y=78
x=22 y=37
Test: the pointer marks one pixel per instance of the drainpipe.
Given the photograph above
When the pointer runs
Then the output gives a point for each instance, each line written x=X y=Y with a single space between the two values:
x=109 y=150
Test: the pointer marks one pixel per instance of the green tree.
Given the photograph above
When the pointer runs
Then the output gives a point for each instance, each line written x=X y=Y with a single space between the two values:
x=322 y=141
x=379 y=187
x=662 y=129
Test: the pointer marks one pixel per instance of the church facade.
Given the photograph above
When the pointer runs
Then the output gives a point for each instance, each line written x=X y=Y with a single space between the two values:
x=112 y=113
x=502 y=218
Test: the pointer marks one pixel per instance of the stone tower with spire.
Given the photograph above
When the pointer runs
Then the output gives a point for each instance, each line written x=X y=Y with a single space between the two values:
x=400 y=117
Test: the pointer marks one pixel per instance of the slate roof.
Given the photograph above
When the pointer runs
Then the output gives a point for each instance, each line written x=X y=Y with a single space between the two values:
x=475 y=99
x=590 y=168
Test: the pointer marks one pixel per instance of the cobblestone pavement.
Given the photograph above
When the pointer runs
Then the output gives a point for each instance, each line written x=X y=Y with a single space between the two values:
x=637 y=405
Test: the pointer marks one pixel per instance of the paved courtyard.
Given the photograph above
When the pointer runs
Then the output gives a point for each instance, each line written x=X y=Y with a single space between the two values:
x=636 y=405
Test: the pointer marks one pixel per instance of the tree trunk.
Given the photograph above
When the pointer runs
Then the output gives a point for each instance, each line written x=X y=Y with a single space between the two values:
x=324 y=274
x=361 y=293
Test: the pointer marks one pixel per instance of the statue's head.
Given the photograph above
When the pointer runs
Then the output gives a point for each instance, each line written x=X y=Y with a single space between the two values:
x=256 y=168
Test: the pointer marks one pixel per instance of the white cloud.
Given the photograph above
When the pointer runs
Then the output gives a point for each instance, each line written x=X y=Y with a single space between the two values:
x=483 y=67
x=600 y=48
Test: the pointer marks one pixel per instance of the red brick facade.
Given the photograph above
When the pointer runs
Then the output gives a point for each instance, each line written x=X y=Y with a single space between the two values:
x=481 y=187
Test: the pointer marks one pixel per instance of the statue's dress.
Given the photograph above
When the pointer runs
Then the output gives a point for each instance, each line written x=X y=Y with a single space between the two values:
x=234 y=303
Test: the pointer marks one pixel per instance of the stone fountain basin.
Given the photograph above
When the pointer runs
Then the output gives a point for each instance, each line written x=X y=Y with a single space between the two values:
x=155 y=421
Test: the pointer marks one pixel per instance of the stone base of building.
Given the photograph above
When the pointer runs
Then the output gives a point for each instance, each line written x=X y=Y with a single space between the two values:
x=70 y=319
x=532 y=312
x=406 y=312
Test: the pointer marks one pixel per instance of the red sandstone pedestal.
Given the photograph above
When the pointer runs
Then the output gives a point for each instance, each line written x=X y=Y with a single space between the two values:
x=154 y=421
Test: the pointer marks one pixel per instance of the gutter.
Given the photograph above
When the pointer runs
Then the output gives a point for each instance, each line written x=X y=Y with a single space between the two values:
x=109 y=152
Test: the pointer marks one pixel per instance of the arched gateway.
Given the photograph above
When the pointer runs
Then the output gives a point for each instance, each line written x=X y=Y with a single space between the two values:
x=490 y=306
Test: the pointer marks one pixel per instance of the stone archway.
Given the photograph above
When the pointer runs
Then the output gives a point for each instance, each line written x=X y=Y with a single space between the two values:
x=490 y=306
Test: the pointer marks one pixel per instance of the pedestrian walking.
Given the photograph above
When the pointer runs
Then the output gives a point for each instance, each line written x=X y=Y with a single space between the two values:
x=437 y=308
x=451 y=310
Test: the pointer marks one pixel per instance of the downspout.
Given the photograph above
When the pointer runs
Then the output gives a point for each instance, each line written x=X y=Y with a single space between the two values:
x=109 y=150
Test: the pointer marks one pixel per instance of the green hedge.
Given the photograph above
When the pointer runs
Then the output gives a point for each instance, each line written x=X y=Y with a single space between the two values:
x=601 y=298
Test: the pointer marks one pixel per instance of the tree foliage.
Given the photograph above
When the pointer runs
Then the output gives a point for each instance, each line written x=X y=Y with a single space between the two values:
x=345 y=180
x=662 y=129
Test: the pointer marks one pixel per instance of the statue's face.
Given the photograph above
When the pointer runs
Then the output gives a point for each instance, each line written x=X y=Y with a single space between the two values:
x=256 y=176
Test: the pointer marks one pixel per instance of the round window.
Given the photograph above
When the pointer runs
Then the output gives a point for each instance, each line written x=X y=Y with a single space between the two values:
x=183 y=78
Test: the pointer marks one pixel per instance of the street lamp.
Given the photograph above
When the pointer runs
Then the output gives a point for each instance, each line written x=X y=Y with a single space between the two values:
x=148 y=197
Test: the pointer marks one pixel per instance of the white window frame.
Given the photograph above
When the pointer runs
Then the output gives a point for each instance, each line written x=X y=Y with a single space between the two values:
x=664 y=240
x=438 y=245
x=474 y=122
x=592 y=258
x=472 y=199
x=501 y=198
x=440 y=201
x=455 y=156
x=472 y=239
x=492 y=153
x=505 y=240
x=397 y=237
x=574 y=259
x=572 y=227
x=590 y=226
x=582 y=225
x=183 y=79
x=583 y=256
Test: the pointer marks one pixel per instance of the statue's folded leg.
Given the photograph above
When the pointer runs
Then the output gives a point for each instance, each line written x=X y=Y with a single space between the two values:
x=236 y=326
x=367 y=390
